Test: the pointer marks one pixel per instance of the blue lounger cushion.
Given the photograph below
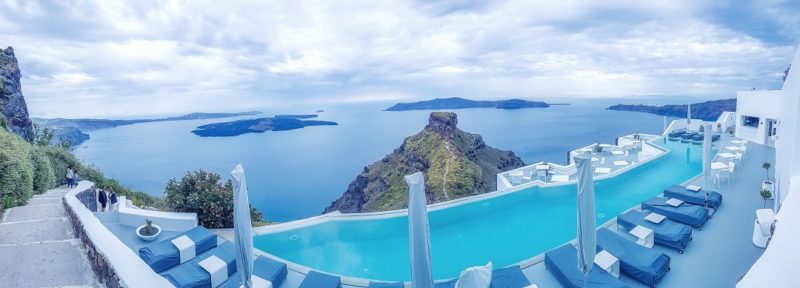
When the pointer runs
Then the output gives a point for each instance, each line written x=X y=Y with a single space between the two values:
x=316 y=279
x=509 y=277
x=668 y=233
x=639 y=262
x=190 y=274
x=386 y=285
x=685 y=213
x=688 y=135
x=562 y=262
x=446 y=284
x=676 y=133
x=164 y=255
x=266 y=268
x=697 y=198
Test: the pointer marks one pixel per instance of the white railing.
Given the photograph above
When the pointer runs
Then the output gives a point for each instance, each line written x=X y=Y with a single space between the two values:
x=130 y=269
x=172 y=221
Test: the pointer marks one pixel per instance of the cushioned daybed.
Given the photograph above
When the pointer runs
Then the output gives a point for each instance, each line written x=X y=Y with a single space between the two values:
x=264 y=268
x=639 y=262
x=562 y=262
x=667 y=232
x=697 y=198
x=164 y=255
x=685 y=213
x=191 y=274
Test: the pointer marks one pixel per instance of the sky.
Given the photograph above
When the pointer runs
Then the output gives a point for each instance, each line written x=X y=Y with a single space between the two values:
x=127 y=58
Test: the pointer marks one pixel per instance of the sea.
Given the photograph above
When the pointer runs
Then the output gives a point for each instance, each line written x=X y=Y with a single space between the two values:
x=296 y=174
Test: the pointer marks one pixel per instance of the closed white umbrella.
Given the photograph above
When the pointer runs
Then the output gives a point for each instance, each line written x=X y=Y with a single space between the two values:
x=688 y=117
x=242 y=227
x=706 y=159
x=418 y=232
x=586 y=217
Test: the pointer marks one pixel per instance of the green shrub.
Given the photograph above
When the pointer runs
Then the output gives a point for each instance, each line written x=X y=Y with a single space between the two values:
x=203 y=193
x=43 y=177
x=60 y=160
x=16 y=169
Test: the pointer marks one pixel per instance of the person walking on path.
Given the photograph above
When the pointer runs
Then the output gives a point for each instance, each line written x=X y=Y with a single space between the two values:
x=103 y=198
x=70 y=177
x=112 y=198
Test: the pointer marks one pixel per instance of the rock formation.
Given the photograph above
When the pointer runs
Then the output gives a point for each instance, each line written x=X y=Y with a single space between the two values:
x=456 y=164
x=709 y=110
x=12 y=104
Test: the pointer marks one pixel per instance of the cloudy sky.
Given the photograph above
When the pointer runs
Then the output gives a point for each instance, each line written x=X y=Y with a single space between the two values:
x=112 y=59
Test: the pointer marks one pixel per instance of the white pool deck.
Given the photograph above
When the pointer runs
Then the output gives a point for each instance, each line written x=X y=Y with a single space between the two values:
x=722 y=251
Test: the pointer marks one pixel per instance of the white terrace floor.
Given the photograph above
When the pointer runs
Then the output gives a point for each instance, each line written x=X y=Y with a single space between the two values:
x=722 y=251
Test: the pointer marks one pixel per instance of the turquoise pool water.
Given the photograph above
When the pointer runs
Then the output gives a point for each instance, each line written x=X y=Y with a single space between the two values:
x=505 y=229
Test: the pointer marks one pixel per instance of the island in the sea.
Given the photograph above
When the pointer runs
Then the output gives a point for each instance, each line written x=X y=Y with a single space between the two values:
x=709 y=110
x=456 y=164
x=72 y=130
x=258 y=125
x=461 y=103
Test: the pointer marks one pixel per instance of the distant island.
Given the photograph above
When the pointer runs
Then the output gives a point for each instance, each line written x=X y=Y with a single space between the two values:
x=708 y=111
x=259 y=125
x=461 y=103
x=72 y=130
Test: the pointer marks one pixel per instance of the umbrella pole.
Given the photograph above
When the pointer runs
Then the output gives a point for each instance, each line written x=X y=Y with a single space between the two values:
x=585 y=279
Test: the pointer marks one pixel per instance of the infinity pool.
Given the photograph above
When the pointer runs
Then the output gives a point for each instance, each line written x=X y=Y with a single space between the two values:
x=505 y=229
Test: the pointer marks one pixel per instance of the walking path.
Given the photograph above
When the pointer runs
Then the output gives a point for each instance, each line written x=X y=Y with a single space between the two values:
x=38 y=247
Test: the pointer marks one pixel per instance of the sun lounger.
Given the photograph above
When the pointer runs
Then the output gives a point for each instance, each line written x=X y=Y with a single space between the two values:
x=196 y=272
x=509 y=277
x=562 y=262
x=698 y=198
x=685 y=213
x=641 y=263
x=264 y=268
x=316 y=279
x=676 y=133
x=164 y=255
x=386 y=285
x=688 y=135
x=667 y=232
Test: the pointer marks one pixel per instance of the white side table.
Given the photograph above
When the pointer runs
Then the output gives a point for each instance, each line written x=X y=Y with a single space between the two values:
x=608 y=262
x=644 y=235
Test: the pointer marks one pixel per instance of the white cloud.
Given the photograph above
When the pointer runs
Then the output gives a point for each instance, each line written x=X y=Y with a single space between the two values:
x=119 y=57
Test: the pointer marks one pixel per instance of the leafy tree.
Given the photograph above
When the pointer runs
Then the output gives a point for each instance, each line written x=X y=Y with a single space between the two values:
x=766 y=167
x=16 y=170
x=203 y=193
x=42 y=136
x=43 y=175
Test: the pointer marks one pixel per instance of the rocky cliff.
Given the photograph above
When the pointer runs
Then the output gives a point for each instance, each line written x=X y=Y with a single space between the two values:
x=709 y=110
x=12 y=104
x=456 y=164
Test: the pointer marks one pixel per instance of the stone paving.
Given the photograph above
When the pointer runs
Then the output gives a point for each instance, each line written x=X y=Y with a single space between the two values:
x=38 y=248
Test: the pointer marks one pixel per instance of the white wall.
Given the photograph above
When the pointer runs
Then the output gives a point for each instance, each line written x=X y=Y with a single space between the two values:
x=762 y=104
x=726 y=120
x=166 y=220
x=778 y=266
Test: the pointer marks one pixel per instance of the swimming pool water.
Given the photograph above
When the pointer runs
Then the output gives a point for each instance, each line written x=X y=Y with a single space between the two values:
x=504 y=229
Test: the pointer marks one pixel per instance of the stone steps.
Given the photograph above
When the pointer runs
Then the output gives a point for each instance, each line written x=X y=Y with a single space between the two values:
x=38 y=248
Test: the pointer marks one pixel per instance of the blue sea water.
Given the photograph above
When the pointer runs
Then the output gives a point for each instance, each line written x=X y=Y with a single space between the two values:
x=296 y=174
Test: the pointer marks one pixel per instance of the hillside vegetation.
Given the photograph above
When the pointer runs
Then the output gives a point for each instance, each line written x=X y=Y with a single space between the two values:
x=27 y=169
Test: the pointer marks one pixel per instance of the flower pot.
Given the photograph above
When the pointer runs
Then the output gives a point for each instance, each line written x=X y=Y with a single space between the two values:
x=768 y=185
x=151 y=237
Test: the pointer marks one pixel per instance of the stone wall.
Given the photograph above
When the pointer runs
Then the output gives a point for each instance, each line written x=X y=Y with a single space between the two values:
x=89 y=199
x=102 y=269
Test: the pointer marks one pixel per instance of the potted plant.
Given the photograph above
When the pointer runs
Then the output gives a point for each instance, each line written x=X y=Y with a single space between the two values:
x=767 y=184
x=766 y=194
x=148 y=231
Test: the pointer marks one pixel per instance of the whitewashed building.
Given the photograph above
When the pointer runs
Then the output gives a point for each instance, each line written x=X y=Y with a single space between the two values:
x=758 y=114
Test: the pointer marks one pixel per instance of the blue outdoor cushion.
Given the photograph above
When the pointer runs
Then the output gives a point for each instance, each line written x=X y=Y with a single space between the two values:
x=164 y=255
